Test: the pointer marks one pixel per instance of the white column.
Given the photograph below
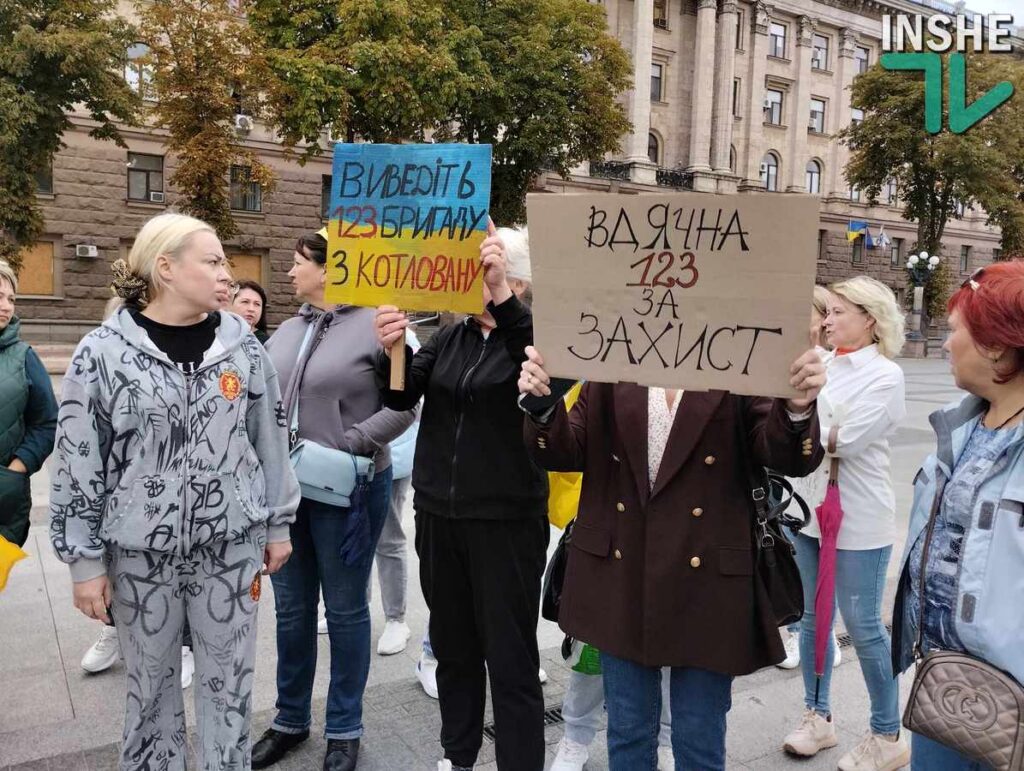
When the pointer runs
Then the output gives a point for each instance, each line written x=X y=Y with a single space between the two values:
x=703 y=83
x=640 y=100
x=725 y=71
x=839 y=109
x=750 y=149
x=800 y=108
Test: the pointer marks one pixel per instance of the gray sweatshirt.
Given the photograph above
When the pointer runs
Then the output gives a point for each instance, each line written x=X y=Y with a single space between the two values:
x=339 y=402
x=150 y=458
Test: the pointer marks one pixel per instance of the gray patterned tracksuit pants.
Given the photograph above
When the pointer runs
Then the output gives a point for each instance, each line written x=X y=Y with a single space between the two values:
x=218 y=588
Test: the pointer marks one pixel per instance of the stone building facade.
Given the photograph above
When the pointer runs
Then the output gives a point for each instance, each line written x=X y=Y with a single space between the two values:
x=728 y=96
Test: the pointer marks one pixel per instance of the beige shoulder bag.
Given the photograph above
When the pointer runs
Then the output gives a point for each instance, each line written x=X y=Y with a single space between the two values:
x=963 y=702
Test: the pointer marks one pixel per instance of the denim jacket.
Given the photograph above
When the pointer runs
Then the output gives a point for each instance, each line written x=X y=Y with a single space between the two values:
x=150 y=458
x=991 y=579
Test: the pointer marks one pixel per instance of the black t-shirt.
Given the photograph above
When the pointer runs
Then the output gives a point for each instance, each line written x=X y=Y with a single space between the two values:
x=185 y=346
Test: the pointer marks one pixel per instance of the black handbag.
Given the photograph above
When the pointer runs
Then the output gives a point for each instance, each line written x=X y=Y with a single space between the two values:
x=554 y=576
x=774 y=554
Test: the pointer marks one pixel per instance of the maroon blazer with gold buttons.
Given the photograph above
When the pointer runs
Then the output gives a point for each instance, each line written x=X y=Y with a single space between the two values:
x=665 y=576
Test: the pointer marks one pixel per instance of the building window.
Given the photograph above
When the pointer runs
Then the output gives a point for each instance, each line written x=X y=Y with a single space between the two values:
x=819 y=57
x=896 y=252
x=246 y=267
x=653 y=148
x=732 y=159
x=661 y=14
x=325 y=196
x=656 y=73
x=138 y=72
x=770 y=172
x=773 y=107
x=997 y=255
x=856 y=116
x=817 y=121
x=822 y=245
x=813 y=178
x=890 y=192
x=145 y=178
x=739 y=31
x=854 y=193
x=36 y=276
x=858 y=251
x=965 y=258
x=863 y=58
x=959 y=208
x=777 y=40
x=44 y=179
x=246 y=194
x=736 y=88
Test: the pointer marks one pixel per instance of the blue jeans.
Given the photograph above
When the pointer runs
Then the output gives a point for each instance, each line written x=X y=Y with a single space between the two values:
x=315 y=566
x=860 y=581
x=928 y=755
x=698 y=700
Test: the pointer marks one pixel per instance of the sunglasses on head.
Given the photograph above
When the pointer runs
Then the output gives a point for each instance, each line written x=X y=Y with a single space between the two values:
x=972 y=280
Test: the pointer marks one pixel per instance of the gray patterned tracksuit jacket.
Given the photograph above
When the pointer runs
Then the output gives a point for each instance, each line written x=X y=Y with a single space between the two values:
x=171 y=485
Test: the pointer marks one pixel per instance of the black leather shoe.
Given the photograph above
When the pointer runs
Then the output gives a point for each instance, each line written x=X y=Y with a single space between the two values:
x=342 y=755
x=273 y=746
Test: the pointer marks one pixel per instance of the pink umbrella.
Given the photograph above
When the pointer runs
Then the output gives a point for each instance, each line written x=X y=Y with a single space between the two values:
x=830 y=519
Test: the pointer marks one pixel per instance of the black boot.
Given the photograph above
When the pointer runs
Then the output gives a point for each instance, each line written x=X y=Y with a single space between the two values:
x=341 y=755
x=273 y=746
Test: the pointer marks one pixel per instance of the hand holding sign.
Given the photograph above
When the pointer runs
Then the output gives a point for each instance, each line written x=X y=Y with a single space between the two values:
x=533 y=379
x=809 y=377
x=495 y=265
x=390 y=325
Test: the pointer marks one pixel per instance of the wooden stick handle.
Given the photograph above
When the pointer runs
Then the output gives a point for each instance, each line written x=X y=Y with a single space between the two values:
x=398 y=365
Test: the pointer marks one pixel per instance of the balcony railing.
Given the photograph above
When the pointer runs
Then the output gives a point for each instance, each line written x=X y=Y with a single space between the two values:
x=677 y=178
x=610 y=170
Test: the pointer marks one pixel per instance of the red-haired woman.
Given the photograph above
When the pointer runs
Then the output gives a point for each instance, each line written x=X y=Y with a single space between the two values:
x=965 y=552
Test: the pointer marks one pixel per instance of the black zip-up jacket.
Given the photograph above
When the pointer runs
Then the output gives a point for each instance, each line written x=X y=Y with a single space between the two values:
x=471 y=462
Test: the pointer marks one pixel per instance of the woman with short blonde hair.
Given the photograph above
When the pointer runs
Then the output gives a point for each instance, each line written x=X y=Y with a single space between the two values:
x=171 y=487
x=859 y=408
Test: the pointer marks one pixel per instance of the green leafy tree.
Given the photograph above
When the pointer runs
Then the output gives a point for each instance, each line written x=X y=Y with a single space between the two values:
x=206 y=67
x=54 y=55
x=537 y=79
x=936 y=172
x=556 y=74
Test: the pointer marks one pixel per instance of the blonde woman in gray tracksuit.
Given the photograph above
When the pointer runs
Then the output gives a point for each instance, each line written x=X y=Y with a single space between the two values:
x=172 y=490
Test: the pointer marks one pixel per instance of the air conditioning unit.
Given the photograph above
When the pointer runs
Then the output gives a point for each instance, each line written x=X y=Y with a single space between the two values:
x=156 y=197
x=813 y=122
x=243 y=123
x=768 y=104
x=818 y=62
x=764 y=168
x=86 y=250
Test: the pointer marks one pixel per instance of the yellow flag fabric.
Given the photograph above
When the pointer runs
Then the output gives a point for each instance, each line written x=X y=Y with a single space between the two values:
x=853 y=235
x=9 y=554
x=564 y=497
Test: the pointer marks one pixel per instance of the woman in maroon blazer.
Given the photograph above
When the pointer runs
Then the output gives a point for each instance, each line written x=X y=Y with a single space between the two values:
x=661 y=568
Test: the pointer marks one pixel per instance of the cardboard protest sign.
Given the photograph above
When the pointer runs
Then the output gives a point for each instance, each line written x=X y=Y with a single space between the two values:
x=693 y=291
x=406 y=223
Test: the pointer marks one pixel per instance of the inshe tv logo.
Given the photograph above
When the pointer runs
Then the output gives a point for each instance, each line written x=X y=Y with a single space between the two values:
x=903 y=36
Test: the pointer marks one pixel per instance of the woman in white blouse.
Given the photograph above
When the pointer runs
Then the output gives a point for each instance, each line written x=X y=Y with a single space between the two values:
x=864 y=397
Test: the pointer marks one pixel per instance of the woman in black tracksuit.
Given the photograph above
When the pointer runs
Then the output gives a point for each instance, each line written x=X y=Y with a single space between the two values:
x=481 y=513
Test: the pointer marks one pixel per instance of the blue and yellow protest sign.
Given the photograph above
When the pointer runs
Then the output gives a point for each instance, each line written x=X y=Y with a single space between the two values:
x=406 y=223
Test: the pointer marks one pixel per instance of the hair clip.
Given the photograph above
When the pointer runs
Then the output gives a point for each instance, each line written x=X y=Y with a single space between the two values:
x=974 y=284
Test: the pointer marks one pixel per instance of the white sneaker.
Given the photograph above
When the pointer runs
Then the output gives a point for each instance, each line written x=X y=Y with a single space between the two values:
x=446 y=765
x=542 y=676
x=792 y=660
x=188 y=667
x=321 y=627
x=814 y=734
x=394 y=638
x=104 y=652
x=877 y=753
x=426 y=673
x=666 y=760
x=572 y=756
x=837 y=652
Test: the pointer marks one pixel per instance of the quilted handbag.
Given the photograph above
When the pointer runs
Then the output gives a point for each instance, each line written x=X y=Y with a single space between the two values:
x=963 y=702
